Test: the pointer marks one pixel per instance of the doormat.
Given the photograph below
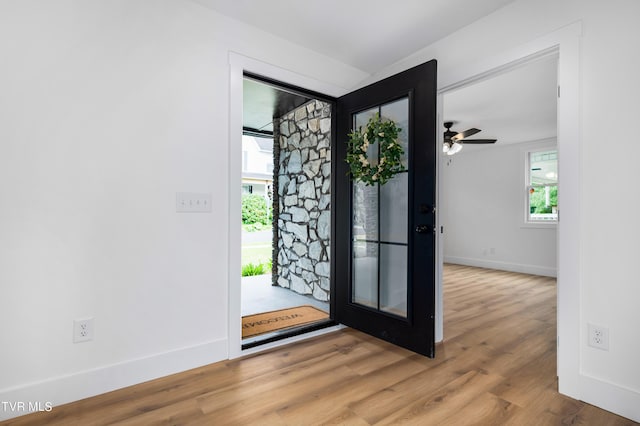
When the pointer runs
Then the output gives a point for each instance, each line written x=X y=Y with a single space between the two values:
x=266 y=322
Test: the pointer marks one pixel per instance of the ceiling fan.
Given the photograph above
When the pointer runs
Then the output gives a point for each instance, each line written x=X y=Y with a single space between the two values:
x=453 y=140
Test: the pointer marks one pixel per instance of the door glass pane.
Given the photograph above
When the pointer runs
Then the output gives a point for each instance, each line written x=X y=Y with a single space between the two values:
x=365 y=274
x=394 y=205
x=360 y=122
x=394 y=200
x=380 y=215
x=365 y=212
x=365 y=228
x=398 y=111
x=393 y=279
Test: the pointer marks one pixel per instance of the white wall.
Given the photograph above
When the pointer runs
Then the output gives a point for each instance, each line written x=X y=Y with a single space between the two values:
x=107 y=109
x=608 y=250
x=482 y=203
x=110 y=107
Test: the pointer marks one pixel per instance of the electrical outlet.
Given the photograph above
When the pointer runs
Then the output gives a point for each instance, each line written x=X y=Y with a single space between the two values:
x=82 y=330
x=598 y=337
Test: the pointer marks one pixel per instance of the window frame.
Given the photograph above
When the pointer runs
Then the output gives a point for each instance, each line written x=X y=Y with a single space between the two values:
x=526 y=218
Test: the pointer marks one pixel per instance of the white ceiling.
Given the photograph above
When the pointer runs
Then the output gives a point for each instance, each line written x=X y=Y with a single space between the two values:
x=514 y=107
x=517 y=106
x=366 y=34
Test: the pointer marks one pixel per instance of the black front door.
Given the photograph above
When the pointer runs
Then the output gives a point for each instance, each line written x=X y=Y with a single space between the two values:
x=385 y=239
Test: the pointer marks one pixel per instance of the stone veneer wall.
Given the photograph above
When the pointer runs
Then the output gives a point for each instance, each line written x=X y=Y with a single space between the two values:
x=303 y=201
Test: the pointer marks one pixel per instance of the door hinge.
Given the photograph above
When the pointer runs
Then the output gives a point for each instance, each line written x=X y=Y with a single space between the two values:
x=558 y=90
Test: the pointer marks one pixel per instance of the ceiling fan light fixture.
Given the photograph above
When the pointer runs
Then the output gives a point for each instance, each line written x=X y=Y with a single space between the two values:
x=455 y=148
x=453 y=141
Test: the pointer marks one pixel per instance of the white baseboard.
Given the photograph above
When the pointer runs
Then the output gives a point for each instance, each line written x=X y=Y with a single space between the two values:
x=502 y=266
x=41 y=396
x=622 y=401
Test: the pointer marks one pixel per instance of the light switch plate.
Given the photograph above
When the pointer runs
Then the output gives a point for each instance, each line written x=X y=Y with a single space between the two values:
x=193 y=202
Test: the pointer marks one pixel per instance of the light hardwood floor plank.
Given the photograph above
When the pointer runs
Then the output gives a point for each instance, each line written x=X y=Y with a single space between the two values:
x=496 y=366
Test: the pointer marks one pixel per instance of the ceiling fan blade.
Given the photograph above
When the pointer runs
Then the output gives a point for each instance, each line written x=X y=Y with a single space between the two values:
x=465 y=134
x=478 y=141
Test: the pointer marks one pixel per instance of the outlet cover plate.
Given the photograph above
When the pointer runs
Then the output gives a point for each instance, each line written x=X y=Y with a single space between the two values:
x=598 y=337
x=82 y=330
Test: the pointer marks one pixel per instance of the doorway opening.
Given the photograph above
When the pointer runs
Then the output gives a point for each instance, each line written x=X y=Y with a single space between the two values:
x=499 y=201
x=286 y=211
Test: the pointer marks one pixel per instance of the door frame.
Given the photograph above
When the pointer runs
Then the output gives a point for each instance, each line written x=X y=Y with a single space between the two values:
x=238 y=65
x=565 y=43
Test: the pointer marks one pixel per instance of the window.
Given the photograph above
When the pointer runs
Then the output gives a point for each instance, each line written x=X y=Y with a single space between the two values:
x=542 y=186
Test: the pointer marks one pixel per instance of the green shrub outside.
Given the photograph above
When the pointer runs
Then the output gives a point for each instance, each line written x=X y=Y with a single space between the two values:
x=251 y=269
x=254 y=210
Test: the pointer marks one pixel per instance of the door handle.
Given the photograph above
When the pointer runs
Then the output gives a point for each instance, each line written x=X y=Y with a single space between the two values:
x=424 y=229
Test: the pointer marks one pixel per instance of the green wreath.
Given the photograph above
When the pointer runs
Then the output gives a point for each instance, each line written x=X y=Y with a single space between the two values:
x=390 y=152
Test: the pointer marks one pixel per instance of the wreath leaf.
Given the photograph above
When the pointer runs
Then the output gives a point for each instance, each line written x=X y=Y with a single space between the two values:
x=390 y=152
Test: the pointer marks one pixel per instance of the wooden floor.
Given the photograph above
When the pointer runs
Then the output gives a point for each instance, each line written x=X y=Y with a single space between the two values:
x=497 y=366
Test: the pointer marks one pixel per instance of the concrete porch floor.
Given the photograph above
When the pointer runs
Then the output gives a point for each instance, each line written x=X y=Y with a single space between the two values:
x=258 y=295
